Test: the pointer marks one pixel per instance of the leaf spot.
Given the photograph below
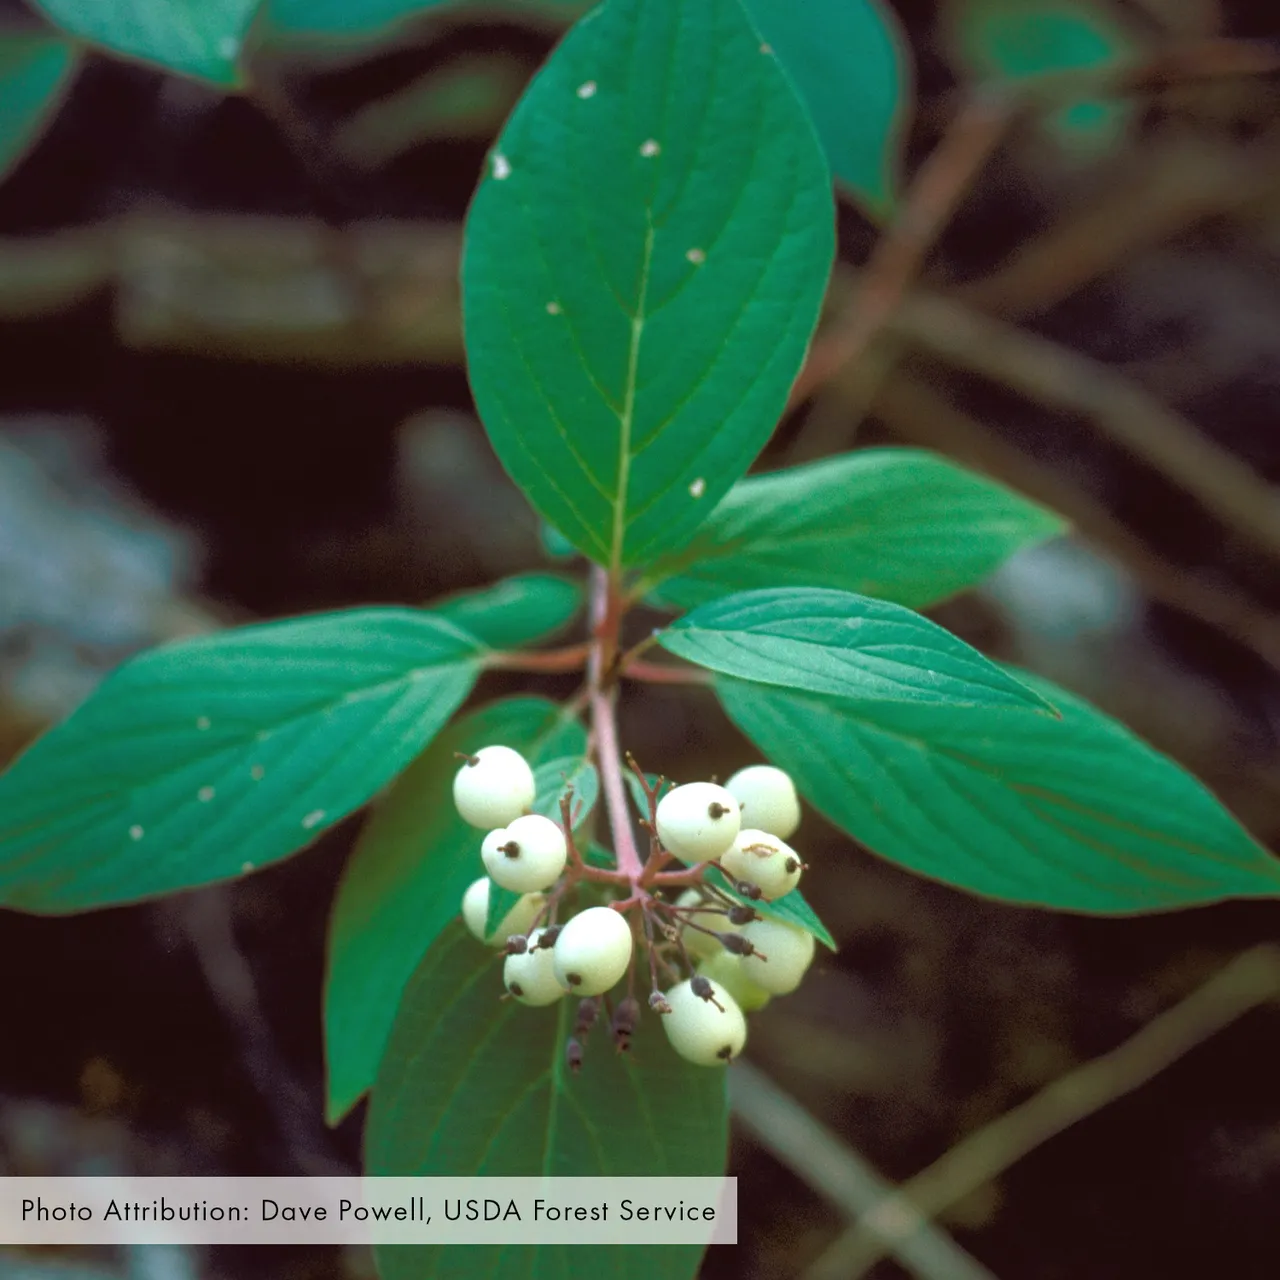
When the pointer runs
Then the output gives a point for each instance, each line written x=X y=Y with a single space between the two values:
x=227 y=47
x=136 y=832
x=587 y=89
x=313 y=819
x=649 y=148
x=501 y=166
x=257 y=772
x=205 y=794
x=696 y=256
x=766 y=48
x=203 y=722
x=698 y=487
x=553 y=308
x=246 y=867
x=262 y=735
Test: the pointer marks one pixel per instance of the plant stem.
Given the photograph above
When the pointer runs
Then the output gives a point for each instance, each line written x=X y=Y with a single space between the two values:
x=660 y=673
x=605 y=617
x=571 y=658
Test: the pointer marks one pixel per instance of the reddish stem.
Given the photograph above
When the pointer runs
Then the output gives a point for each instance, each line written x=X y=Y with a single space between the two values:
x=572 y=658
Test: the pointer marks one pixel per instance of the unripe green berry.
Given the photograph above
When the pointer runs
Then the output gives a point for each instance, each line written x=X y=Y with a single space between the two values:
x=763 y=860
x=475 y=911
x=527 y=855
x=698 y=821
x=494 y=787
x=767 y=798
x=531 y=977
x=727 y=971
x=593 y=951
x=789 y=952
x=700 y=945
x=699 y=1031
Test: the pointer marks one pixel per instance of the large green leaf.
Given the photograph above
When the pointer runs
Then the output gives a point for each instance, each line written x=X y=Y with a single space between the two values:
x=1075 y=813
x=850 y=62
x=842 y=645
x=199 y=38
x=35 y=69
x=201 y=760
x=405 y=881
x=516 y=611
x=642 y=270
x=471 y=1085
x=898 y=524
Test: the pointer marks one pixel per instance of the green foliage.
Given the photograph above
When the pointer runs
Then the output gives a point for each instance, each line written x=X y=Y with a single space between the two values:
x=1019 y=39
x=472 y=1086
x=850 y=63
x=525 y=609
x=898 y=524
x=643 y=267
x=35 y=70
x=201 y=760
x=199 y=38
x=843 y=645
x=405 y=881
x=1075 y=814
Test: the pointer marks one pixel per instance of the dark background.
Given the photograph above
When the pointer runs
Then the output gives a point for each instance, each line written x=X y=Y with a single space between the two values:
x=162 y=471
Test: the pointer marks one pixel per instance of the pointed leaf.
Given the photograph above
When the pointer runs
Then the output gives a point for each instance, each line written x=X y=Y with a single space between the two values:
x=1075 y=813
x=35 y=70
x=851 y=65
x=843 y=645
x=405 y=881
x=199 y=38
x=204 y=759
x=515 y=612
x=472 y=1085
x=897 y=524
x=642 y=270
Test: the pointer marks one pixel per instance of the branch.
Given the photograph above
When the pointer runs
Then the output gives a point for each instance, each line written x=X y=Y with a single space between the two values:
x=786 y=1130
x=936 y=189
x=1120 y=408
x=915 y=412
x=1250 y=980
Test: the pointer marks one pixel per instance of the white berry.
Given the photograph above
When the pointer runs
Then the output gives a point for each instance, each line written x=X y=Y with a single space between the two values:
x=475 y=912
x=698 y=821
x=789 y=951
x=493 y=787
x=726 y=969
x=593 y=951
x=767 y=797
x=699 y=1032
x=527 y=855
x=698 y=944
x=531 y=976
x=763 y=860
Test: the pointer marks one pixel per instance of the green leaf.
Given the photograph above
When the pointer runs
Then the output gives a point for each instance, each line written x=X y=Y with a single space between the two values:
x=554 y=543
x=843 y=645
x=204 y=759
x=199 y=38
x=637 y=791
x=405 y=880
x=551 y=780
x=1076 y=813
x=852 y=67
x=898 y=524
x=515 y=612
x=642 y=270
x=474 y=1086
x=1015 y=40
x=791 y=908
x=35 y=70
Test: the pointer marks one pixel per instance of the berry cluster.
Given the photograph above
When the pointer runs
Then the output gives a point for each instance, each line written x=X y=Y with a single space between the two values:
x=734 y=957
